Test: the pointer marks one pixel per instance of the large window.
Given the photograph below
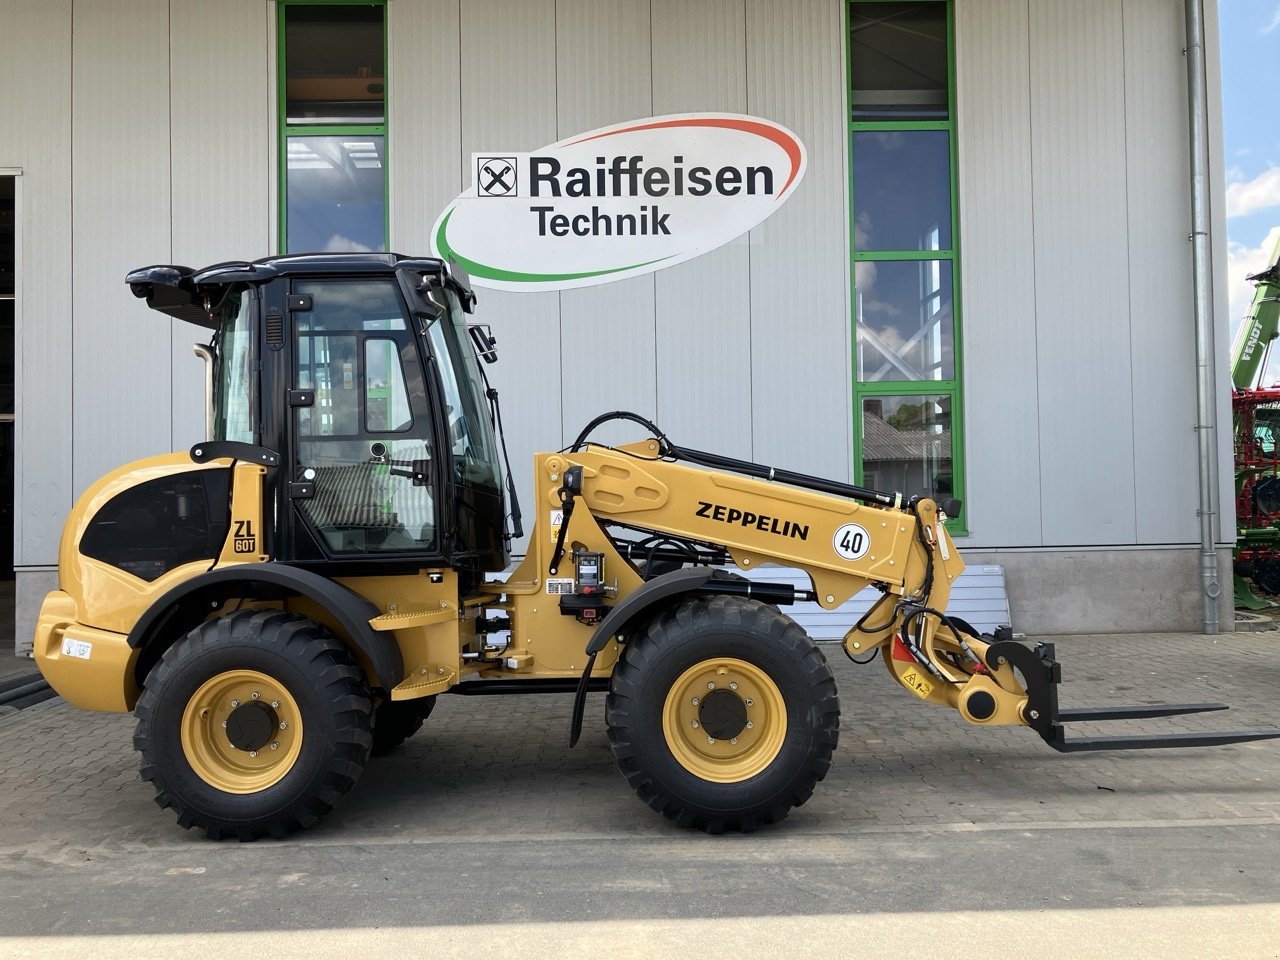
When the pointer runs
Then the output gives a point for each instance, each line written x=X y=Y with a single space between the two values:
x=905 y=251
x=333 y=129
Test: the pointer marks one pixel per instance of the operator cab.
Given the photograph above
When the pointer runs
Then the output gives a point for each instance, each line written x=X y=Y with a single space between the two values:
x=359 y=371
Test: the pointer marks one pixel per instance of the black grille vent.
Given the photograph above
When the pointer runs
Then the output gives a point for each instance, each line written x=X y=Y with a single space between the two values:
x=275 y=330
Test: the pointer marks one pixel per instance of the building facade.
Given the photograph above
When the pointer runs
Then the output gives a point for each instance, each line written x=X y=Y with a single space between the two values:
x=981 y=288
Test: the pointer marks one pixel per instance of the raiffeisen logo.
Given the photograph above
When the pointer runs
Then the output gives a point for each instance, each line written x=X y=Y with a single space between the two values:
x=619 y=201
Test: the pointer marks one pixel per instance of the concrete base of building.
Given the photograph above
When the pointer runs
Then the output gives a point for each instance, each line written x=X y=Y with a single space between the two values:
x=32 y=583
x=1108 y=590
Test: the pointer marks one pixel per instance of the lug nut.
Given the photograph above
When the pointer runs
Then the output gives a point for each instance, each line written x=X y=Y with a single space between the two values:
x=711 y=740
x=283 y=725
x=695 y=724
x=275 y=703
x=733 y=740
x=235 y=703
x=733 y=686
x=711 y=685
x=750 y=725
x=224 y=723
x=695 y=701
x=253 y=753
x=275 y=744
x=750 y=702
x=255 y=695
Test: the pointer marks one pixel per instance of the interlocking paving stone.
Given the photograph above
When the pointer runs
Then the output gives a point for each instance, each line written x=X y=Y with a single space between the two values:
x=485 y=765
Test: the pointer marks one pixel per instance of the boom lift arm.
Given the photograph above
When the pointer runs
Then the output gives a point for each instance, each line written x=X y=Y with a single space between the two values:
x=846 y=538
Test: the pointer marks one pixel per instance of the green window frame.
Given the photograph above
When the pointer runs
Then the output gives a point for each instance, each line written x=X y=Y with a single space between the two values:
x=286 y=131
x=899 y=383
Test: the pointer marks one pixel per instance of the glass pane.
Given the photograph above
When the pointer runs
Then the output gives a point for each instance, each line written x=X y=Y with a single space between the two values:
x=903 y=311
x=354 y=349
x=366 y=501
x=333 y=64
x=350 y=305
x=902 y=190
x=386 y=399
x=327 y=365
x=906 y=445
x=233 y=411
x=335 y=194
x=470 y=433
x=898 y=61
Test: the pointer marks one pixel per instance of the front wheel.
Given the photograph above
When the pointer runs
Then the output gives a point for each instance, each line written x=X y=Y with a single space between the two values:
x=254 y=724
x=723 y=714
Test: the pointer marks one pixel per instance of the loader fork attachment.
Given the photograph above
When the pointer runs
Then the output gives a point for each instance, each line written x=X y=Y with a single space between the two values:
x=1042 y=674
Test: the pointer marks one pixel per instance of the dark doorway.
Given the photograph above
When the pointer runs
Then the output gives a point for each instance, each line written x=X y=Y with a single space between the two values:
x=8 y=292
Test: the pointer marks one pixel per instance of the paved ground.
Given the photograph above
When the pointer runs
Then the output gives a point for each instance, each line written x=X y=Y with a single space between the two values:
x=487 y=825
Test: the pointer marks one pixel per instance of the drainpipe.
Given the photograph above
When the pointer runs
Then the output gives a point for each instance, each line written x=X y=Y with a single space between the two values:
x=1206 y=411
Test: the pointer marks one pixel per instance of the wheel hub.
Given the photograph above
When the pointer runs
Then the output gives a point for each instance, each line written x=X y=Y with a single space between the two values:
x=241 y=731
x=251 y=725
x=722 y=714
x=724 y=720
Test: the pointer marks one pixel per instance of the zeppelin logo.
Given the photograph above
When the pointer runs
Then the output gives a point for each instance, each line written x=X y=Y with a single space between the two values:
x=245 y=541
x=619 y=201
x=761 y=521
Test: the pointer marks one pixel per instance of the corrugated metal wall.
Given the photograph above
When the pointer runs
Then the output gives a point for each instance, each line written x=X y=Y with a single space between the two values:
x=1079 y=333
x=145 y=132
x=745 y=350
x=35 y=136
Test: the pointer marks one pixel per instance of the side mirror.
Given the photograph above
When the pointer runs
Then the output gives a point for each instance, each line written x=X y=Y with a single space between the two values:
x=484 y=342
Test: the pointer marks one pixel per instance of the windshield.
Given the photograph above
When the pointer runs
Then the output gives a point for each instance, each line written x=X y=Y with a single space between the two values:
x=233 y=391
x=470 y=429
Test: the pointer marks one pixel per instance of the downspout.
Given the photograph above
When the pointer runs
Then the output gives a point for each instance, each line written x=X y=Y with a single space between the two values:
x=1206 y=380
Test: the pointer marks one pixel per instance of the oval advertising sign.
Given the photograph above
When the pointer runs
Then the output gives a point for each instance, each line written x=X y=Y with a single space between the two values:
x=617 y=202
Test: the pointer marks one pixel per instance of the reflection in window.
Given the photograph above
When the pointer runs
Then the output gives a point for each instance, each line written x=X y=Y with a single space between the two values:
x=386 y=400
x=334 y=194
x=898 y=61
x=902 y=190
x=334 y=64
x=906 y=444
x=904 y=318
x=233 y=408
x=327 y=365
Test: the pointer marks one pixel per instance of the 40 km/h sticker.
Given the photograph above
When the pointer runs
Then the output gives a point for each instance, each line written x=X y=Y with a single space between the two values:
x=852 y=541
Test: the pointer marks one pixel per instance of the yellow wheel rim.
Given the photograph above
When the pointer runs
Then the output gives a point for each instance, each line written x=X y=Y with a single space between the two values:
x=241 y=731
x=724 y=720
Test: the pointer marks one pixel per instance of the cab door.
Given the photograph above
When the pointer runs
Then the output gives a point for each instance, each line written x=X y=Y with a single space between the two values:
x=362 y=432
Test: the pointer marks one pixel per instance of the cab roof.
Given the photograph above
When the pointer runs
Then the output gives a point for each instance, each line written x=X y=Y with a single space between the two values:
x=182 y=292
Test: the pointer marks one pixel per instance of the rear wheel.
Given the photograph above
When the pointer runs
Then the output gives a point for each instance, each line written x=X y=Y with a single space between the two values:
x=723 y=714
x=395 y=721
x=254 y=724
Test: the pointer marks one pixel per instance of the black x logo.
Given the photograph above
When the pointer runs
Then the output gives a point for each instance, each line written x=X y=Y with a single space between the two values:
x=496 y=176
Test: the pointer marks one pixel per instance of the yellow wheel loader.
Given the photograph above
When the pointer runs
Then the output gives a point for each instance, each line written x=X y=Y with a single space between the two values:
x=293 y=593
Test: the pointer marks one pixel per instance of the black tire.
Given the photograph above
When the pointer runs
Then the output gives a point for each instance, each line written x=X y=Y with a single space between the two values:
x=395 y=721
x=752 y=646
x=311 y=724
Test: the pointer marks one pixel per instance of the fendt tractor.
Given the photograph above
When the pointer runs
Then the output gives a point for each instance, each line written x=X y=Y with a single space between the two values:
x=1256 y=412
x=294 y=593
